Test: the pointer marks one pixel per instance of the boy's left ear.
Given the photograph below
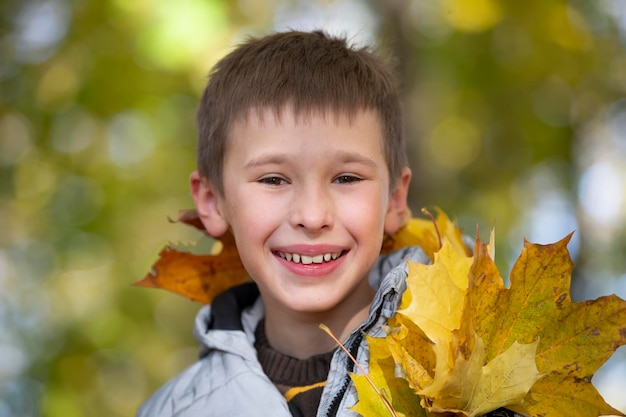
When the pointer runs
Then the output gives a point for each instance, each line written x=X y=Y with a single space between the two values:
x=398 y=211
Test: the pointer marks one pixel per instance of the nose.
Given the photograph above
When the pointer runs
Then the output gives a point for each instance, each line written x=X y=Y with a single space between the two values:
x=312 y=208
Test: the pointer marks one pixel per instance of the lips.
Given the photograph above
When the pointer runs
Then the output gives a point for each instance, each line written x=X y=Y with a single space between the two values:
x=308 y=259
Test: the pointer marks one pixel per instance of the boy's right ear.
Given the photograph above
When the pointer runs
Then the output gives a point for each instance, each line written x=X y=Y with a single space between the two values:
x=207 y=200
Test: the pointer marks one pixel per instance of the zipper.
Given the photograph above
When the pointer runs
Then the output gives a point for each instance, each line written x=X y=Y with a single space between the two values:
x=354 y=350
x=334 y=404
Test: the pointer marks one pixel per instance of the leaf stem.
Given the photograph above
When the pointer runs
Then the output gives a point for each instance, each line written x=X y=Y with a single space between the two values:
x=358 y=365
x=432 y=218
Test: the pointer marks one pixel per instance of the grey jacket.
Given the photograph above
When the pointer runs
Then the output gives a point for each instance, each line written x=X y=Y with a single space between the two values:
x=228 y=379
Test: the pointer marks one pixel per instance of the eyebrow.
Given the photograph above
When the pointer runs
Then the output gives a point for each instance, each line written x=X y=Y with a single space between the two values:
x=271 y=159
x=353 y=157
x=341 y=156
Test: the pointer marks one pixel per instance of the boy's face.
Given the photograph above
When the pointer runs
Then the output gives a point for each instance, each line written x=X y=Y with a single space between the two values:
x=307 y=200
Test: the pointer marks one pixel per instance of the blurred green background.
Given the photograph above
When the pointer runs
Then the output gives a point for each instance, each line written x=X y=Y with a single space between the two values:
x=516 y=116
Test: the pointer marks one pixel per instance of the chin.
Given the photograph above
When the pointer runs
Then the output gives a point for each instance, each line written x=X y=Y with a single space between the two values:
x=312 y=308
x=310 y=305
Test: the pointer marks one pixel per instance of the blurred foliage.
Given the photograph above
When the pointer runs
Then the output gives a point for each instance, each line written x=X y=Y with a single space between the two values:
x=508 y=106
x=497 y=89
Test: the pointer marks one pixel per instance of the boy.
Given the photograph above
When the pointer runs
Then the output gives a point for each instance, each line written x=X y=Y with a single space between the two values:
x=301 y=157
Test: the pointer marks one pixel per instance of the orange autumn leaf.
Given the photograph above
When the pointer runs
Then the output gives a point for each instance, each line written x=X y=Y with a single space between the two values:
x=197 y=277
x=191 y=218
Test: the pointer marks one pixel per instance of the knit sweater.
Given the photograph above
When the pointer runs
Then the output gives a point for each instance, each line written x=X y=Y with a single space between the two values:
x=301 y=381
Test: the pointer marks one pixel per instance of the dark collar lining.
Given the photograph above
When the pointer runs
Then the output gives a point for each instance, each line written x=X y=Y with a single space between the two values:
x=227 y=307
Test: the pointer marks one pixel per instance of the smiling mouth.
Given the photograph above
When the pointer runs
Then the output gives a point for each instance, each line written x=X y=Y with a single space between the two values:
x=307 y=260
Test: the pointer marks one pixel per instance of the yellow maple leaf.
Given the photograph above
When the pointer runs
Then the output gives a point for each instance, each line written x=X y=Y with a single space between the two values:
x=436 y=292
x=474 y=388
x=575 y=339
x=411 y=350
x=426 y=233
x=396 y=390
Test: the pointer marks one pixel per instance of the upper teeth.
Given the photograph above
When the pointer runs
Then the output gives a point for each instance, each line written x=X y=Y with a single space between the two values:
x=304 y=259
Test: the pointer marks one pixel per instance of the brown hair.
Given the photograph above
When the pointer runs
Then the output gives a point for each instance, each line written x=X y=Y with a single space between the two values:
x=308 y=70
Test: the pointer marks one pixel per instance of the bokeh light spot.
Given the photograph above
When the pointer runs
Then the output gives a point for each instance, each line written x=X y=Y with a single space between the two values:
x=41 y=25
x=601 y=193
x=57 y=87
x=454 y=143
x=74 y=131
x=130 y=138
x=15 y=138
x=472 y=15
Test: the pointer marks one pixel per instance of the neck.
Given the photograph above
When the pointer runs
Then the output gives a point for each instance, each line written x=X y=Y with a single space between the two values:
x=299 y=335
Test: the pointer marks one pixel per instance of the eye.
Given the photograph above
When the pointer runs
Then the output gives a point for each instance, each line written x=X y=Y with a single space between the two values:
x=346 y=179
x=275 y=181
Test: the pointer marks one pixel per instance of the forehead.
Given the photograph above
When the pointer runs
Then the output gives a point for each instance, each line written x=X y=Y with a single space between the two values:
x=305 y=132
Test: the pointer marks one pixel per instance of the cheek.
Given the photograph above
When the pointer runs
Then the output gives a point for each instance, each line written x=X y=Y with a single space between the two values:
x=365 y=214
x=252 y=218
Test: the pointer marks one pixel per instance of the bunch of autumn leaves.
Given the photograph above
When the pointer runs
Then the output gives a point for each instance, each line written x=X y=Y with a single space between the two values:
x=461 y=343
